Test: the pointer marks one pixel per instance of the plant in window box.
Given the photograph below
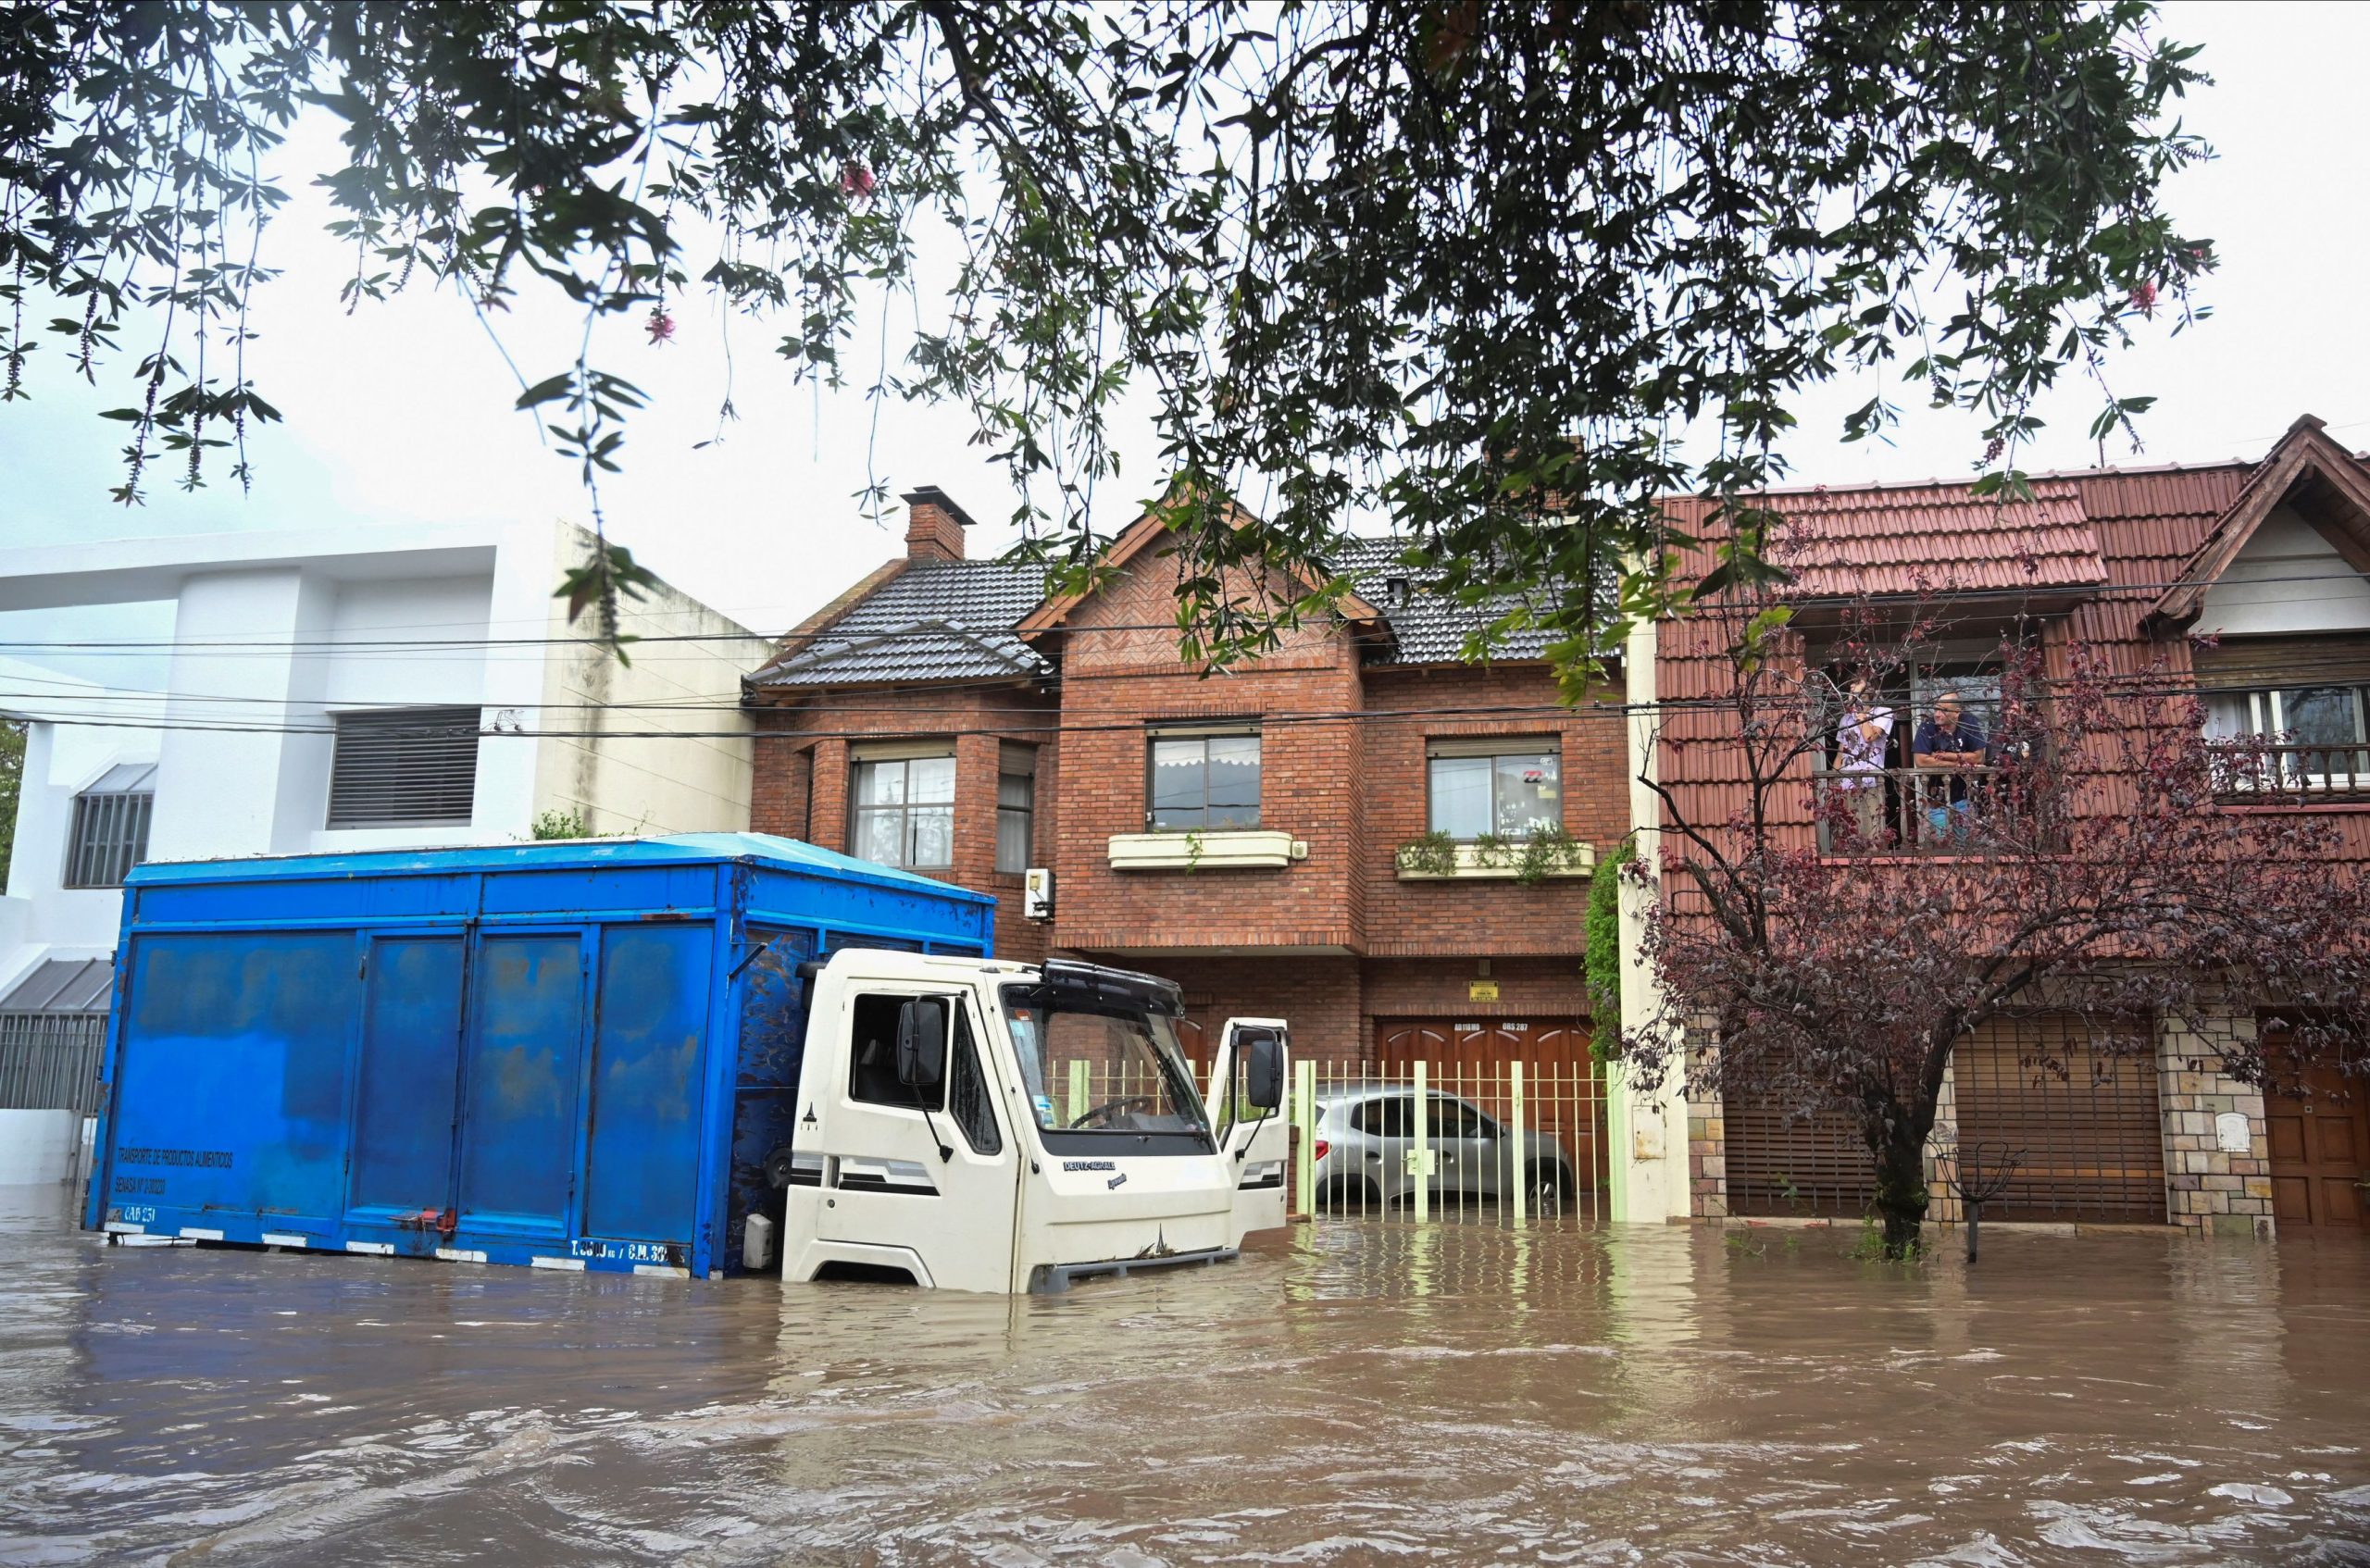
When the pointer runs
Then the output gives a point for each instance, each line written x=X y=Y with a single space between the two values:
x=1429 y=854
x=1491 y=850
x=1548 y=850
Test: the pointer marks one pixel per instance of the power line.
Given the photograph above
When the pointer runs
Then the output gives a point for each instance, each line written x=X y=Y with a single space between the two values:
x=338 y=647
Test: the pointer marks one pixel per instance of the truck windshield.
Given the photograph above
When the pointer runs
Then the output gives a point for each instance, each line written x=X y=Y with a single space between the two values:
x=1098 y=1072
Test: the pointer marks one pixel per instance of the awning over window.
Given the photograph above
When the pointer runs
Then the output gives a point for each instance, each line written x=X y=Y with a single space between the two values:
x=63 y=985
x=125 y=778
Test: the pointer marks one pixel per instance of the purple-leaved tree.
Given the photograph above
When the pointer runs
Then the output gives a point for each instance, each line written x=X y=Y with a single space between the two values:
x=1831 y=959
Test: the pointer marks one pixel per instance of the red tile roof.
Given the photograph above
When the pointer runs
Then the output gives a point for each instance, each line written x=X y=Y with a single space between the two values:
x=1929 y=538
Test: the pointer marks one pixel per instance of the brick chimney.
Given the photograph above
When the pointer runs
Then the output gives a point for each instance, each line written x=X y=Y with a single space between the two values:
x=934 y=524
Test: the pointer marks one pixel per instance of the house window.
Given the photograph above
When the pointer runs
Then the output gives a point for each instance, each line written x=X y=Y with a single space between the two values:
x=110 y=833
x=2313 y=737
x=1507 y=788
x=905 y=812
x=1016 y=807
x=405 y=767
x=1199 y=782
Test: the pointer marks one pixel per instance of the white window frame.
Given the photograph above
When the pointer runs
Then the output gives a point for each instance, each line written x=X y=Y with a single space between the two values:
x=2266 y=712
x=905 y=809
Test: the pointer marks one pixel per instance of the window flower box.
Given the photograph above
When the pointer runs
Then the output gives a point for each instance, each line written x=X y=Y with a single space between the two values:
x=1217 y=849
x=1500 y=862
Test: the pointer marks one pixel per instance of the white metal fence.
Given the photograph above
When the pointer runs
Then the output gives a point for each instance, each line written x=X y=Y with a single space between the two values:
x=1424 y=1139
x=50 y=1060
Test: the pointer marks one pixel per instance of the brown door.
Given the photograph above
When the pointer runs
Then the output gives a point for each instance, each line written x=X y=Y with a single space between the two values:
x=1562 y=1086
x=2320 y=1152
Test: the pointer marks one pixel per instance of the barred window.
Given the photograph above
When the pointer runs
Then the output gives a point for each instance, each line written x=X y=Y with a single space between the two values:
x=405 y=767
x=110 y=833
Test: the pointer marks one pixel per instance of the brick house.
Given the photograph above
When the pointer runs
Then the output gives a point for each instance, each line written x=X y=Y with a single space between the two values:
x=2253 y=579
x=1240 y=833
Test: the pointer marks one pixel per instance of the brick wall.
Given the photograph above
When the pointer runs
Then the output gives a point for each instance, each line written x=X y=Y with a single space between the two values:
x=1417 y=918
x=1118 y=679
x=802 y=778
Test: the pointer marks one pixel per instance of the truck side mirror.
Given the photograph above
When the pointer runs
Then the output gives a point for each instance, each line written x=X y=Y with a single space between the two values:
x=1262 y=1073
x=921 y=1043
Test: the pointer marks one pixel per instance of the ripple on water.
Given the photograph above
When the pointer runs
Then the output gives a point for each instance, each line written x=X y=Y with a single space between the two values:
x=1358 y=1393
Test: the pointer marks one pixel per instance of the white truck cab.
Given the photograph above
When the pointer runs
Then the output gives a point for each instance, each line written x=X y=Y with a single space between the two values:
x=984 y=1126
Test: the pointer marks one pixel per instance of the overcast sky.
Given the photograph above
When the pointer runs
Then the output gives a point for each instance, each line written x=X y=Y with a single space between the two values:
x=401 y=412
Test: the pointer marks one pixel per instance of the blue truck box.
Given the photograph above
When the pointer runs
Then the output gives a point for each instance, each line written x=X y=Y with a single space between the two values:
x=575 y=1055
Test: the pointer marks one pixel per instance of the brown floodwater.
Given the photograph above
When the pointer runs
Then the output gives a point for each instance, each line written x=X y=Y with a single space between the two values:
x=1355 y=1392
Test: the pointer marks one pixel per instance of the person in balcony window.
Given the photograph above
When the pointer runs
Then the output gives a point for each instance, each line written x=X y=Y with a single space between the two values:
x=1948 y=740
x=1861 y=736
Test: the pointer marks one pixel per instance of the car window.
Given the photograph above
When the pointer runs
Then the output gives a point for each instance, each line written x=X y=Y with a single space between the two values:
x=1454 y=1118
x=1391 y=1117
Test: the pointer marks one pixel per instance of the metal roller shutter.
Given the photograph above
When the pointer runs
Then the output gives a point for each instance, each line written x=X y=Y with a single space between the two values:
x=1813 y=1166
x=2084 y=1119
x=405 y=767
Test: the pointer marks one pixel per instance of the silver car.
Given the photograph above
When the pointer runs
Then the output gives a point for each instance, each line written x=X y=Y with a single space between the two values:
x=1365 y=1135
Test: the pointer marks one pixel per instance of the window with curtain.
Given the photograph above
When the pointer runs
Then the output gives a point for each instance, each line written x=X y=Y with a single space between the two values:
x=903 y=813
x=1506 y=793
x=1016 y=807
x=1201 y=782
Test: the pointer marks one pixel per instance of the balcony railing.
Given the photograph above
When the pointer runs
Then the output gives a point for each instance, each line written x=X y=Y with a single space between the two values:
x=2272 y=773
x=1919 y=811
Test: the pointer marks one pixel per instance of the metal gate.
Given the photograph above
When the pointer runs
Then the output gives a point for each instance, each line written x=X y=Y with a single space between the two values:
x=1781 y=1161
x=52 y=1036
x=1497 y=1120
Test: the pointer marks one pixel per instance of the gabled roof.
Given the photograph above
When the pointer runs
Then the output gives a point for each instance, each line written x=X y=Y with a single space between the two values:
x=1133 y=541
x=2332 y=491
x=931 y=620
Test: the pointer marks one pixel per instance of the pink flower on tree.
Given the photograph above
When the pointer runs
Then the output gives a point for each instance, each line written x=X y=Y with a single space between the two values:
x=855 y=181
x=2143 y=299
x=661 y=326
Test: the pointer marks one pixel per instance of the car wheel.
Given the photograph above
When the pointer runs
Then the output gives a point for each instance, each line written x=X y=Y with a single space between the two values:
x=1546 y=1188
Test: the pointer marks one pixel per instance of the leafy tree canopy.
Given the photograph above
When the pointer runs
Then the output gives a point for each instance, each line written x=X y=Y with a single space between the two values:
x=1468 y=263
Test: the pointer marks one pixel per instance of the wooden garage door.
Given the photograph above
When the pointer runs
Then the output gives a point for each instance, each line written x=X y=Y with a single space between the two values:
x=2320 y=1150
x=1562 y=1086
x=2085 y=1121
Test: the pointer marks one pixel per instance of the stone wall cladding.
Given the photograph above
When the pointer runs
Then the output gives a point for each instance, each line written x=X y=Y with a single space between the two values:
x=1707 y=1146
x=2209 y=1191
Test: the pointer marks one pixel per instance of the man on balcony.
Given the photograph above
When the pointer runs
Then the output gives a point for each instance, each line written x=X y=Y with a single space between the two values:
x=1950 y=741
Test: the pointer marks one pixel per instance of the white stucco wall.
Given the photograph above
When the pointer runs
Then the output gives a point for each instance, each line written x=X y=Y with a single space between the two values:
x=274 y=634
x=2288 y=578
x=688 y=768
x=40 y=917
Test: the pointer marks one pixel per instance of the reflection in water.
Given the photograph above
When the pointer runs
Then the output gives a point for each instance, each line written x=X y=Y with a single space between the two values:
x=1345 y=1394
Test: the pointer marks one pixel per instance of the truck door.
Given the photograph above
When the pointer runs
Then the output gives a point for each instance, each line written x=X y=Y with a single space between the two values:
x=927 y=1166
x=1253 y=1139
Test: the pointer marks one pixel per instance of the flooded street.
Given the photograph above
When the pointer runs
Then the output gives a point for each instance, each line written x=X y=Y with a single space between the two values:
x=1354 y=1393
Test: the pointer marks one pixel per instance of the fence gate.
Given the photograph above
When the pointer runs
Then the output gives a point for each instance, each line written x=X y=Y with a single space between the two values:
x=1491 y=1120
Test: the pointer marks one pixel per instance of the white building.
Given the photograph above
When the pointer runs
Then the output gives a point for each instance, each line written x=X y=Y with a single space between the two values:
x=351 y=689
